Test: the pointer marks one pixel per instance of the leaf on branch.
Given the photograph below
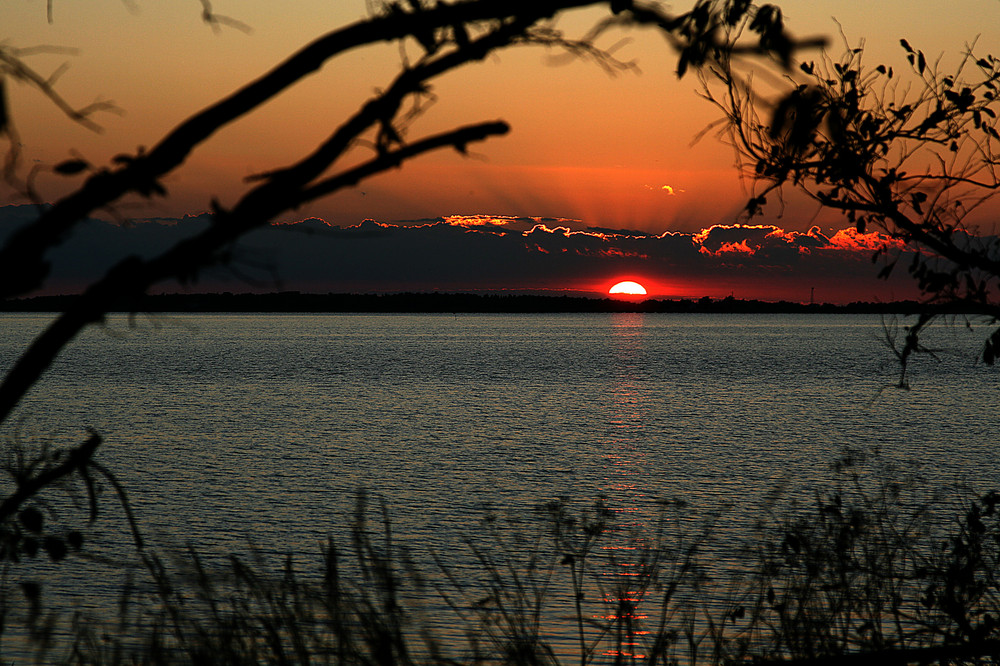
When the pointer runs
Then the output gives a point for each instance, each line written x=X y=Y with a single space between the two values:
x=55 y=547
x=682 y=64
x=736 y=11
x=933 y=119
x=70 y=167
x=32 y=519
x=770 y=25
x=755 y=205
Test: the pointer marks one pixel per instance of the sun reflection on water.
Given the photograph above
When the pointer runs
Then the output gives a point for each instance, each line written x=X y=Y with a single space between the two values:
x=625 y=460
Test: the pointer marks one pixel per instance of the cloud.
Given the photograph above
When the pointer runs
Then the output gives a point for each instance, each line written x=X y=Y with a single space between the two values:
x=496 y=252
x=669 y=190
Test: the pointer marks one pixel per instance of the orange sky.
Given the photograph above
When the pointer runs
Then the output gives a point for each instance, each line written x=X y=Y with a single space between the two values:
x=611 y=152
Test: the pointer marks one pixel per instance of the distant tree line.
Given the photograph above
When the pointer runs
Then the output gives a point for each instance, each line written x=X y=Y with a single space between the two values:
x=435 y=302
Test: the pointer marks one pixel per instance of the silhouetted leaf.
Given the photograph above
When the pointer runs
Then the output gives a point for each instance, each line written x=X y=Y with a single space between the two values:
x=32 y=519
x=736 y=11
x=55 y=547
x=70 y=167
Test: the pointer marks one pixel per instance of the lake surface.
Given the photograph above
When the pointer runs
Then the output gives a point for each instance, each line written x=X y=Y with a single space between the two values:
x=231 y=429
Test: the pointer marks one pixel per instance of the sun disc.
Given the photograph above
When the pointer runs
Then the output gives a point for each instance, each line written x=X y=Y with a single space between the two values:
x=628 y=287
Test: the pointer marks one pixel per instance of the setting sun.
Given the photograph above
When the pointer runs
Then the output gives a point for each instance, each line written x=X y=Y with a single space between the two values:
x=633 y=288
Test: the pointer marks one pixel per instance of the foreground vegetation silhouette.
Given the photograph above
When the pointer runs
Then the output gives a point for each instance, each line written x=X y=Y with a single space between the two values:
x=874 y=568
x=864 y=573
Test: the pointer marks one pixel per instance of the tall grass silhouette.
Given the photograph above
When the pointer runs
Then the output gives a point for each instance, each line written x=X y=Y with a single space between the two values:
x=870 y=569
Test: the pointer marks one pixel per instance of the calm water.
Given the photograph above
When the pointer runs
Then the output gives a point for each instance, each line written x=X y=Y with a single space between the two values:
x=229 y=429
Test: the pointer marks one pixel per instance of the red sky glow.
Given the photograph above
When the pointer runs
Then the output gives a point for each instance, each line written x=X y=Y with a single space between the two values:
x=488 y=254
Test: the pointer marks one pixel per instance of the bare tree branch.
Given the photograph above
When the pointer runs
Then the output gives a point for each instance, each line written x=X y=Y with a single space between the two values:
x=131 y=278
x=22 y=263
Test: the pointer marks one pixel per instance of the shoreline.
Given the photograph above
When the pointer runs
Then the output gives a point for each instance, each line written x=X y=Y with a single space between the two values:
x=292 y=301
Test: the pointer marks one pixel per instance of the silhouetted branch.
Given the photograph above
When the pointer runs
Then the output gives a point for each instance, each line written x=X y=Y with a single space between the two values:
x=123 y=501
x=22 y=263
x=457 y=139
x=29 y=485
x=913 y=160
x=12 y=65
x=132 y=277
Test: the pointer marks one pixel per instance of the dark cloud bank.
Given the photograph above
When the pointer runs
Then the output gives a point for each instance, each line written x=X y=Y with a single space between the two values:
x=496 y=254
